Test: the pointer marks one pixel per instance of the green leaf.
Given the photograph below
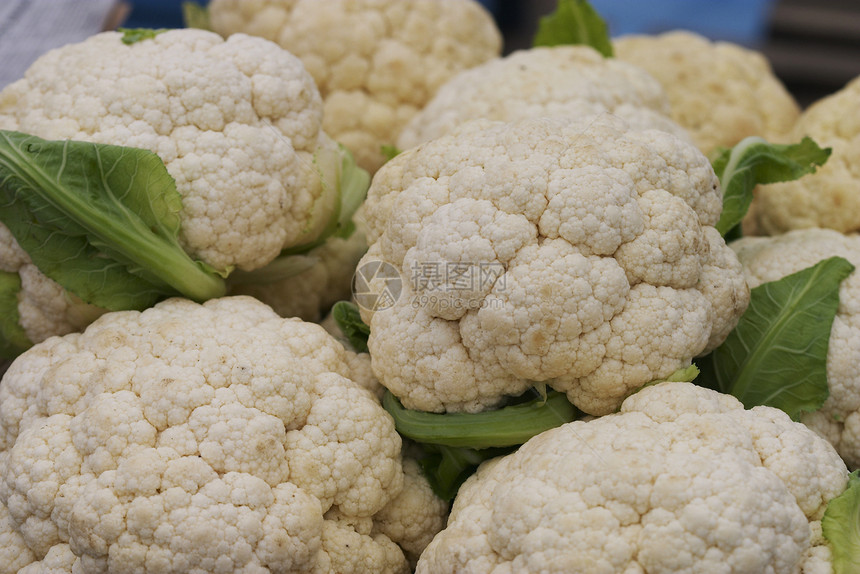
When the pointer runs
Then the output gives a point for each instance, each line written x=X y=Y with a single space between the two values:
x=574 y=22
x=508 y=426
x=454 y=444
x=390 y=152
x=282 y=267
x=135 y=35
x=841 y=528
x=13 y=339
x=348 y=319
x=196 y=15
x=777 y=354
x=447 y=468
x=100 y=220
x=685 y=375
x=754 y=161
x=354 y=183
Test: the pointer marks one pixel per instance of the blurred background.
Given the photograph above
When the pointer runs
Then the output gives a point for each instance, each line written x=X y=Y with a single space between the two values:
x=813 y=45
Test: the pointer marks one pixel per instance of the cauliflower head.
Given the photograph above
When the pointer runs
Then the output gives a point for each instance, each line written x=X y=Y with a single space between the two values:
x=202 y=438
x=770 y=258
x=681 y=480
x=376 y=62
x=577 y=252
x=828 y=198
x=236 y=123
x=570 y=81
x=719 y=91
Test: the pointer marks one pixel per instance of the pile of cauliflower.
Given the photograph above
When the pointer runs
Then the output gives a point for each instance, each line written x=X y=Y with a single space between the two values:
x=547 y=224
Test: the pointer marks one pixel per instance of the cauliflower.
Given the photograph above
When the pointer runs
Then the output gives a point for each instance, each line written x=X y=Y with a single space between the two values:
x=771 y=258
x=235 y=122
x=575 y=252
x=310 y=293
x=829 y=198
x=719 y=91
x=376 y=62
x=565 y=80
x=237 y=125
x=203 y=438
x=682 y=480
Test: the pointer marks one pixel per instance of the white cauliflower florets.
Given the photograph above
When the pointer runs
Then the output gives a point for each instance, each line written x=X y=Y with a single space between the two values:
x=573 y=81
x=237 y=124
x=376 y=62
x=575 y=252
x=202 y=438
x=828 y=198
x=719 y=92
x=772 y=258
x=681 y=480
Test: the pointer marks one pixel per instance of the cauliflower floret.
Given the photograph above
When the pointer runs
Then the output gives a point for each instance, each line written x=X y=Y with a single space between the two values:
x=827 y=198
x=214 y=437
x=573 y=81
x=719 y=91
x=415 y=516
x=771 y=258
x=681 y=480
x=376 y=62
x=578 y=252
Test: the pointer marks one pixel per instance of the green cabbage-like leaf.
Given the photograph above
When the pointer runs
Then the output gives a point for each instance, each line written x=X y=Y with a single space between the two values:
x=446 y=468
x=348 y=320
x=574 y=22
x=100 y=220
x=195 y=15
x=841 y=528
x=13 y=339
x=135 y=35
x=354 y=183
x=390 y=152
x=777 y=354
x=279 y=269
x=754 y=161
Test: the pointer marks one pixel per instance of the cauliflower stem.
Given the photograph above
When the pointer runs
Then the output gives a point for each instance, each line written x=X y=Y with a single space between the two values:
x=455 y=444
x=507 y=426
